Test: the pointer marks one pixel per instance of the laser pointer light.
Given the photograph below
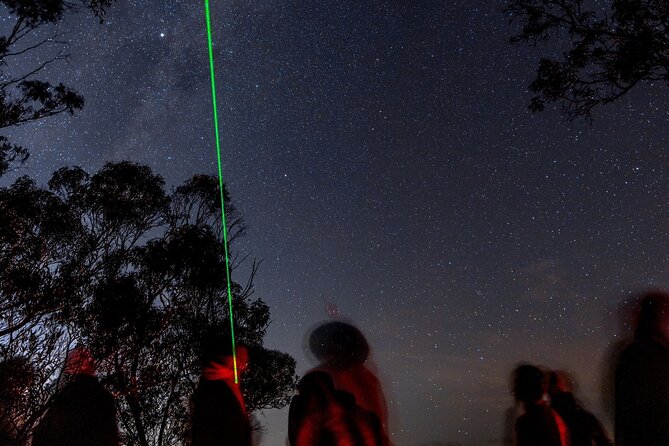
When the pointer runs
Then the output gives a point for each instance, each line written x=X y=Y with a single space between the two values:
x=220 y=184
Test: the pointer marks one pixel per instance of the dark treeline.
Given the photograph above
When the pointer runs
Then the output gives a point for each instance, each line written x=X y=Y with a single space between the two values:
x=112 y=262
x=604 y=50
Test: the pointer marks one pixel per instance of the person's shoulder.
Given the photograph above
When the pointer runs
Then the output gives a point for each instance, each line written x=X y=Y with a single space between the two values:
x=644 y=346
x=642 y=355
x=631 y=354
x=213 y=384
x=95 y=388
x=523 y=420
x=588 y=418
x=297 y=407
x=83 y=386
x=212 y=388
x=538 y=414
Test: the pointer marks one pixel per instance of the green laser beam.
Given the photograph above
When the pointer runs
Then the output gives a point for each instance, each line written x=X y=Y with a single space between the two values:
x=220 y=182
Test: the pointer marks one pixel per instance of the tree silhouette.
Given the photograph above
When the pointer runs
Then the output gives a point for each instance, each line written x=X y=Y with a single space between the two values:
x=22 y=97
x=113 y=262
x=607 y=54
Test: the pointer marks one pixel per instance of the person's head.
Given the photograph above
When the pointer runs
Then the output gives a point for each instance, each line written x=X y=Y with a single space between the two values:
x=559 y=381
x=79 y=361
x=242 y=358
x=653 y=320
x=529 y=383
x=339 y=343
x=218 y=348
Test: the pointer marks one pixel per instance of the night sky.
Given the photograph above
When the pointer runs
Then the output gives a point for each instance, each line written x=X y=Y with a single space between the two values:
x=384 y=158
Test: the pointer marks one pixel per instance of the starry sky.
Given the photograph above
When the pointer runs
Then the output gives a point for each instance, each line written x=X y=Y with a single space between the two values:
x=384 y=158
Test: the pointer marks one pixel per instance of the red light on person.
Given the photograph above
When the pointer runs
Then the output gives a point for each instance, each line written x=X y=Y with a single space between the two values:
x=218 y=414
x=322 y=415
x=344 y=355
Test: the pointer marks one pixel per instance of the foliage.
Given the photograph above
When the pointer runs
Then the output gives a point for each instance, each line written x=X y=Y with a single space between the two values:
x=607 y=55
x=137 y=275
x=22 y=97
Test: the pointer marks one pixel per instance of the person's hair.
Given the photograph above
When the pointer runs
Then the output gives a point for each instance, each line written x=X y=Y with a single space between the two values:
x=215 y=345
x=653 y=311
x=529 y=383
x=339 y=343
x=559 y=381
x=79 y=361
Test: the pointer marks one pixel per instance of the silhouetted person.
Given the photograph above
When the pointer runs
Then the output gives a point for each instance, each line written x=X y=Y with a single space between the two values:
x=218 y=416
x=16 y=377
x=584 y=428
x=82 y=413
x=641 y=380
x=312 y=396
x=539 y=425
x=626 y=315
x=343 y=352
x=321 y=415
